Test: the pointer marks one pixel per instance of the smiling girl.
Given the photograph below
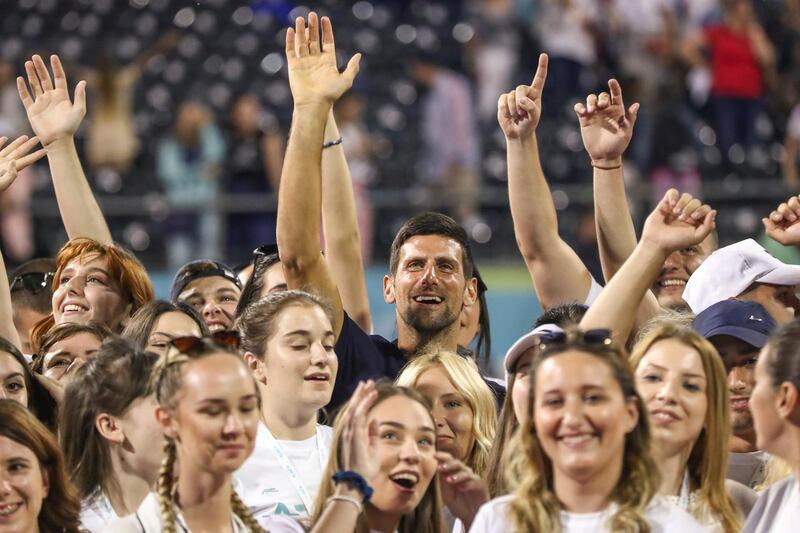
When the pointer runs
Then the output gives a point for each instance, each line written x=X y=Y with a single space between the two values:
x=683 y=384
x=288 y=340
x=583 y=448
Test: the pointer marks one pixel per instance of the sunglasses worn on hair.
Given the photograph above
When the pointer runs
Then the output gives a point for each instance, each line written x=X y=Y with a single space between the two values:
x=34 y=282
x=592 y=337
x=265 y=250
x=190 y=345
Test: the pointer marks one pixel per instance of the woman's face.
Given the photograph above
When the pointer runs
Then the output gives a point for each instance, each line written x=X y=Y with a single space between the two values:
x=581 y=416
x=143 y=445
x=67 y=354
x=406 y=447
x=216 y=415
x=87 y=293
x=12 y=379
x=763 y=401
x=168 y=326
x=451 y=412
x=299 y=360
x=671 y=381
x=522 y=385
x=23 y=487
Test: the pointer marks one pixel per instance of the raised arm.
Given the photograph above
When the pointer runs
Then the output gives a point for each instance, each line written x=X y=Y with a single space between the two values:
x=679 y=221
x=13 y=158
x=783 y=224
x=316 y=83
x=558 y=274
x=55 y=119
x=340 y=225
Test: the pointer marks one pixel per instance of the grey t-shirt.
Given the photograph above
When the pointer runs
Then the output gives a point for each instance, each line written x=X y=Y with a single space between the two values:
x=747 y=468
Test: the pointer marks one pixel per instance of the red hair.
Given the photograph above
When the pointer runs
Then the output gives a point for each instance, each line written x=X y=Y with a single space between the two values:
x=123 y=267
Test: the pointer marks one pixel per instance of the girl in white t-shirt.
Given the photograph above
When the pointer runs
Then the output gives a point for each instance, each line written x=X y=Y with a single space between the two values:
x=775 y=404
x=288 y=340
x=109 y=433
x=208 y=410
x=583 y=449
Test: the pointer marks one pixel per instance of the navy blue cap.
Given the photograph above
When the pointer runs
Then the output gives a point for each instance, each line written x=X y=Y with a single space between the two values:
x=747 y=321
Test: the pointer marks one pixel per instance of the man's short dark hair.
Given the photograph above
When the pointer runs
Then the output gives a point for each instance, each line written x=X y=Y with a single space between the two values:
x=562 y=315
x=21 y=298
x=432 y=224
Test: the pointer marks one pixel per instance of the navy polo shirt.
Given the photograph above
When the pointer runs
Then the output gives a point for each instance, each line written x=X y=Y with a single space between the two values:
x=363 y=356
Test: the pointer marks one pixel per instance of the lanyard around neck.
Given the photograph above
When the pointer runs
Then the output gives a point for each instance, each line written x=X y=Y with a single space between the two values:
x=289 y=468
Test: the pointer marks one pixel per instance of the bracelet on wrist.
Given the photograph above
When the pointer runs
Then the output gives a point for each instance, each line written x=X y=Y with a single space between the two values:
x=342 y=498
x=355 y=480
x=328 y=144
x=606 y=166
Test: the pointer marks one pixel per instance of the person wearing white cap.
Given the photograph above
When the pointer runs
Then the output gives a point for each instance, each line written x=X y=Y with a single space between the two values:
x=745 y=271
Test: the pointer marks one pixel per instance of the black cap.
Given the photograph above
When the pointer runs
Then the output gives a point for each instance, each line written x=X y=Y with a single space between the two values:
x=200 y=269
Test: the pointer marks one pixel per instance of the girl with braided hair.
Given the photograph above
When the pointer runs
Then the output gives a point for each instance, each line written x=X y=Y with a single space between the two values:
x=208 y=409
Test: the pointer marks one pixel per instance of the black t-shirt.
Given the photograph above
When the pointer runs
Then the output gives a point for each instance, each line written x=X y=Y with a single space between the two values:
x=363 y=356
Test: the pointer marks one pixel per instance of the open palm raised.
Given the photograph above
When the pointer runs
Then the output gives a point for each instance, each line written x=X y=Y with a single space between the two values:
x=314 y=77
x=51 y=113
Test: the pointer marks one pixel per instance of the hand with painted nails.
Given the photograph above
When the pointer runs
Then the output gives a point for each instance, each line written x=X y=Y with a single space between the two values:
x=606 y=125
x=783 y=224
x=51 y=113
x=518 y=111
x=314 y=77
x=678 y=221
x=360 y=438
x=15 y=157
x=463 y=491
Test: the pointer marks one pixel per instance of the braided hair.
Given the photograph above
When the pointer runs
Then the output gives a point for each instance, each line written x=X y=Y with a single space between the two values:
x=167 y=381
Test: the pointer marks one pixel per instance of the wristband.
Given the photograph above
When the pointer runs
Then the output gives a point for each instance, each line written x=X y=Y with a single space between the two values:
x=328 y=144
x=355 y=480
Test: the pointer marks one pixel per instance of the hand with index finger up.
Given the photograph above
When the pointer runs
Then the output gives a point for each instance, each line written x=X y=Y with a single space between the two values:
x=519 y=111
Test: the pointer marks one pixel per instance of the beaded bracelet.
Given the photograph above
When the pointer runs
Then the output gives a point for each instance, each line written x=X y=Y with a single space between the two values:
x=355 y=480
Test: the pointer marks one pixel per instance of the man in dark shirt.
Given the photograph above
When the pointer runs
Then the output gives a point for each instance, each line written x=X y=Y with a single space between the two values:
x=431 y=273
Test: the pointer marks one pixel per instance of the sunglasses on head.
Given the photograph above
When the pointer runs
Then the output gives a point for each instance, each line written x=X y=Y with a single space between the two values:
x=591 y=337
x=34 y=282
x=265 y=250
x=191 y=345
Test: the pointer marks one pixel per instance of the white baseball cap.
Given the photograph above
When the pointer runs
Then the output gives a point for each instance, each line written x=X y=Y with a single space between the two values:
x=529 y=340
x=729 y=271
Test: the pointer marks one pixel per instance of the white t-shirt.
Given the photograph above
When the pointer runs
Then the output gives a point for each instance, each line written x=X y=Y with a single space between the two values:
x=747 y=468
x=96 y=514
x=662 y=516
x=777 y=509
x=265 y=486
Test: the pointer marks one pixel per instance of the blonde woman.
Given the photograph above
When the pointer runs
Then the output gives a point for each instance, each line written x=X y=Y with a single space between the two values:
x=584 y=448
x=683 y=383
x=464 y=411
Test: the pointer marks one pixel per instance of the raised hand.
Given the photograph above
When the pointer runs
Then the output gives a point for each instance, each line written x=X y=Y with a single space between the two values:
x=678 y=221
x=519 y=111
x=606 y=125
x=313 y=75
x=463 y=491
x=51 y=113
x=359 y=438
x=783 y=224
x=15 y=157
